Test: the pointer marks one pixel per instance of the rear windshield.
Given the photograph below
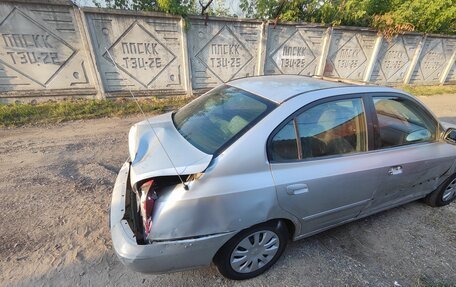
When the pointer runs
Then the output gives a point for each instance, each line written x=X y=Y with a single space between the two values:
x=214 y=120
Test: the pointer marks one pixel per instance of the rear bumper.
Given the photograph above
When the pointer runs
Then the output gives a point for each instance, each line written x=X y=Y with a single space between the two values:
x=157 y=257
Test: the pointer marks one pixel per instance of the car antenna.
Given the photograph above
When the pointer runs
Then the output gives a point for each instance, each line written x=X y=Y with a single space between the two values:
x=147 y=119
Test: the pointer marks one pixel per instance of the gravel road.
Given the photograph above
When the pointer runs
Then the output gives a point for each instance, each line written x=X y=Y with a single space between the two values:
x=55 y=190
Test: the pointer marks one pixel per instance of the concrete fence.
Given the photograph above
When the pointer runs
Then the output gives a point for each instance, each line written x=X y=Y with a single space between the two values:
x=52 y=49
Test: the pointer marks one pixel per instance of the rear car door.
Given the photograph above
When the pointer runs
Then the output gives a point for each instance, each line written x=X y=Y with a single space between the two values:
x=318 y=162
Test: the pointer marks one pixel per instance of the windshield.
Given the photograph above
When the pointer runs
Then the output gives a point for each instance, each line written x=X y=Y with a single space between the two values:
x=218 y=117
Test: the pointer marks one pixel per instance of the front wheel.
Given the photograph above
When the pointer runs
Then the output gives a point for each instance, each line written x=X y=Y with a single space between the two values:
x=444 y=194
x=252 y=251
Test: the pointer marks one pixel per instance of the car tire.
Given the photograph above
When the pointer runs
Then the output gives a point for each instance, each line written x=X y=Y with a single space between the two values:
x=444 y=194
x=252 y=251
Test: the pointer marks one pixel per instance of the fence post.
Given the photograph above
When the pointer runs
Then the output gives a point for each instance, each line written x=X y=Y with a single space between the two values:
x=263 y=48
x=416 y=56
x=447 y=69
x=87 y=42
x=325 y=50
x=373 y=59
x=186 y=60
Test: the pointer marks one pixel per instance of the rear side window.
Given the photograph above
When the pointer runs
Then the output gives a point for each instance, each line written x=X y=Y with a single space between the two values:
x=284 y=145
x=401 y=122
x=327 y=129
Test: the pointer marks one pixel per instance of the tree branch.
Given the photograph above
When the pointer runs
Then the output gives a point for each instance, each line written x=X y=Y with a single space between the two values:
x=204 y=7
x=279 y=10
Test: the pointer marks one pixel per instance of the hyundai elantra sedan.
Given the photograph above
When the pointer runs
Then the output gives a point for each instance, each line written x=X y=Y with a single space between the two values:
x=234 y=175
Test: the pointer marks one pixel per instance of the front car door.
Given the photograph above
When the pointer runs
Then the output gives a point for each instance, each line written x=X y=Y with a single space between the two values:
x=406 y=142
x=318 y=162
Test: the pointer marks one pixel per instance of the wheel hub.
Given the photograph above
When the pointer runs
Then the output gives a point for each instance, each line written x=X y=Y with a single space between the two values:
x=450 y=191
x=254 y=251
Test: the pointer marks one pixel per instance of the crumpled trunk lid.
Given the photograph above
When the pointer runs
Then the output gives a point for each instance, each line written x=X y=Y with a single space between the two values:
x=149 y=159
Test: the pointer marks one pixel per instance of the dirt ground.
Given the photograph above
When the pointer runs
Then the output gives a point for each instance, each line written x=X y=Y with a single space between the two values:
x=55 y=190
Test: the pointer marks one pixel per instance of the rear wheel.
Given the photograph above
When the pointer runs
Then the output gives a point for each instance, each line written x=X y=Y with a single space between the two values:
x=444 y=194
x=252 y=251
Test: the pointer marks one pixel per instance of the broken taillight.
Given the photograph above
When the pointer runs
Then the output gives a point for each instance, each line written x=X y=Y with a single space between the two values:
x=148 y=197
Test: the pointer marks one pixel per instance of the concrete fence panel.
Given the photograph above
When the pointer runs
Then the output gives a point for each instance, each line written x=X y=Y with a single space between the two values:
x=146 y=48
x=451 y=79
x=52 y=49
x=294 y=49
x=349 y=53
x=394 y=59
x=42 y=52
x=222 y=50
x=433 y=59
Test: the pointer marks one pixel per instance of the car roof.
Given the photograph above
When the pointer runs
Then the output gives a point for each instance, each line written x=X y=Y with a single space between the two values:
x=279 y=88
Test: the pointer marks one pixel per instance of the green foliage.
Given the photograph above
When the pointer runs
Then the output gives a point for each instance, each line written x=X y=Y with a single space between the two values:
x=260 y=9
x=218 y=9
x=346 y=12
x=176 y=7
x=391 y=16
x=437 y=16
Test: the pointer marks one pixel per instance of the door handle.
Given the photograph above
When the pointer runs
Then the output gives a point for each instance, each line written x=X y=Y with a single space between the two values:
x=395 y=170
x=298 y=188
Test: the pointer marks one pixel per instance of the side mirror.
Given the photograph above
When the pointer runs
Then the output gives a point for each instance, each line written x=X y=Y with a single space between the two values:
x=450 y=136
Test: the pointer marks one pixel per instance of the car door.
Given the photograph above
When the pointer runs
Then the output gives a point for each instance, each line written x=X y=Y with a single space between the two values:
x=407 y=139
x=319 y=163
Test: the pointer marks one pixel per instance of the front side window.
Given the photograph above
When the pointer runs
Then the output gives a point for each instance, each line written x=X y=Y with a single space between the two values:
x=216 y=118
x=332 y=128
x=401 y=122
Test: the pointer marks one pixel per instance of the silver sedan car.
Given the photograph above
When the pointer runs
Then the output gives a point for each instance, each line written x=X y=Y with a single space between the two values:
x=239 y=171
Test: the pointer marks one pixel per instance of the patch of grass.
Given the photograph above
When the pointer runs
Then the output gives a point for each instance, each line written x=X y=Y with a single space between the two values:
x=54 y=112
x=429 y=90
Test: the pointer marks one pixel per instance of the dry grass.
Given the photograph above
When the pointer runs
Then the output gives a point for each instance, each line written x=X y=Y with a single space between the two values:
x=54 y=112
x=429 y=90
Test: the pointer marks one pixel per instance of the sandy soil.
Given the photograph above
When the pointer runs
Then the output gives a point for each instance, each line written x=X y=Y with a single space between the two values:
x=55 y=186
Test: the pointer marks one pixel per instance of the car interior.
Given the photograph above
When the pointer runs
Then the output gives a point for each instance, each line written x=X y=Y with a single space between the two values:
x=328 y=129
x=398 y=124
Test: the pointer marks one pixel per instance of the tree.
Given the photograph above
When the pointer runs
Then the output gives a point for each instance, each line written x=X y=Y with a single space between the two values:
x=177 y=7
x=338 y=12
x=390 y=16
x=436 y=16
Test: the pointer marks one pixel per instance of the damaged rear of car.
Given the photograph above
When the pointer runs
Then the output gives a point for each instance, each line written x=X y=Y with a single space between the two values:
x=163 y=202
x=131 y=227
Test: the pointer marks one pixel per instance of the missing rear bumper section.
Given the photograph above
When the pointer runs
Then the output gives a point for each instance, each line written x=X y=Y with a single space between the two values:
x=156 y=257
